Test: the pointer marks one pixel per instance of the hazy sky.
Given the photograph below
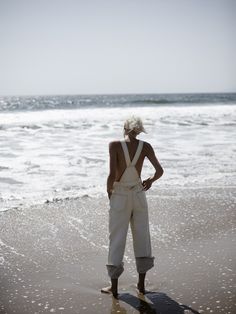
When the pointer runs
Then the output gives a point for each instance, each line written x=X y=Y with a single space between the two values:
x=105 y=46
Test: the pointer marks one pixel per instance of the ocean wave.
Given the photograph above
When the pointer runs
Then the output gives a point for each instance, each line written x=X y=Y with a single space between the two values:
x=59 y=154
x=4 y=168
x=67 y=198
x=153 y=101
x=38 y=103
x=46 y=125
x=187 y=99
x=9 y=181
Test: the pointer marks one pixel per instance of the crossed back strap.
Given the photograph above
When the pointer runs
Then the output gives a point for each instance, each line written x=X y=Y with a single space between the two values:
x=136 y=156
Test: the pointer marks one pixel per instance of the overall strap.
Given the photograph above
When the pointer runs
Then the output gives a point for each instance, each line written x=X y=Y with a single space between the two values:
x=137 y=154
x=126 y=153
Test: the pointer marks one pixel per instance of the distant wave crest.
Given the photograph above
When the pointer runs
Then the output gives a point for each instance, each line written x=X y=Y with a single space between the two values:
x=38 y=103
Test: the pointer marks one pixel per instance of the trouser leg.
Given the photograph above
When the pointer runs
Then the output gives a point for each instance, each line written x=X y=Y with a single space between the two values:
x=141 y=234
x=119 y=217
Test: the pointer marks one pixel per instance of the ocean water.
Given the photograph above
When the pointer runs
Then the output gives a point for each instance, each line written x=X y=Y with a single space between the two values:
x=56 y=147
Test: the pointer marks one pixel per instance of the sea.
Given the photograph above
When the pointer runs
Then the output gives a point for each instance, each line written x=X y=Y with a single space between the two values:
x=56 y=147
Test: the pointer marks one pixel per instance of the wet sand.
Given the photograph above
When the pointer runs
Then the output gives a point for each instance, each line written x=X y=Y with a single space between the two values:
x=53 y=256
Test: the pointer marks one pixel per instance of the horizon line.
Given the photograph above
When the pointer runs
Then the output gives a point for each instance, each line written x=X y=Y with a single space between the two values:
x=114 y=94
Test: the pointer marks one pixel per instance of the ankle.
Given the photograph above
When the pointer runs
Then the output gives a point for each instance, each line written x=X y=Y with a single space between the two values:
x=114 y=287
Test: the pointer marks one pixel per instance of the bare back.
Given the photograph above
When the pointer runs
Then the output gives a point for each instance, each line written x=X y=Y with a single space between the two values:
x=117 y=161
x=118 y=152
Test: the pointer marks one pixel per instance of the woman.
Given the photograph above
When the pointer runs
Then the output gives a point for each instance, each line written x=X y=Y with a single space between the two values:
x=128 y=204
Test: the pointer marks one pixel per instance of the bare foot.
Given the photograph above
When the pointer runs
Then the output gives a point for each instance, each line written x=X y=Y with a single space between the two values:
x=106 y=290
x=109 y=290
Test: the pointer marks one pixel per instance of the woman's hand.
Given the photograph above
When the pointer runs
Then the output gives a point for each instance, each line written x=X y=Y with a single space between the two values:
x=147 y=184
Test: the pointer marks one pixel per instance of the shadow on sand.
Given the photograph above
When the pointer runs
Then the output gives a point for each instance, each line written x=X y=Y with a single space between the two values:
x=151 y=303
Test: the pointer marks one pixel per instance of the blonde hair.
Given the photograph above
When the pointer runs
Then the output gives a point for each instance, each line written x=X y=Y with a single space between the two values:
x=134 y=124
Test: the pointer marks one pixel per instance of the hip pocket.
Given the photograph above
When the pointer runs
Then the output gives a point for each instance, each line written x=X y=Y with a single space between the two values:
x=118 y=201
x=141 y=200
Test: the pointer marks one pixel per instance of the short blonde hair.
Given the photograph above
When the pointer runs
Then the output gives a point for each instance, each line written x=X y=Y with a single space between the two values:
x=134 y=124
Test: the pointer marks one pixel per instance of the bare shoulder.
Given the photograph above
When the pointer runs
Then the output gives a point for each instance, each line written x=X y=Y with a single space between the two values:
x=114 y=145
x=148 y=149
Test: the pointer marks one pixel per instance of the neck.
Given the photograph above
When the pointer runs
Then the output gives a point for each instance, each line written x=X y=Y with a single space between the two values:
x=130 y=138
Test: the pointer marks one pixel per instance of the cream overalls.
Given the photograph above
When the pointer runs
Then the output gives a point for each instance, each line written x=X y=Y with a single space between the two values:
x=128 y=204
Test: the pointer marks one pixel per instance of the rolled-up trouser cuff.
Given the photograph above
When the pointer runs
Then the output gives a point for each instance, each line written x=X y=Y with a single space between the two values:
x=114 y=272
x=143 y=264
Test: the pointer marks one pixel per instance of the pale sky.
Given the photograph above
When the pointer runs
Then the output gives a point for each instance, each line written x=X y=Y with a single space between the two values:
x=123 y=46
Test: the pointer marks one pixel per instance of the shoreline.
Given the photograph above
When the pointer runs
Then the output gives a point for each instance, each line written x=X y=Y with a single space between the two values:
x=153 y=193
x=53 y=256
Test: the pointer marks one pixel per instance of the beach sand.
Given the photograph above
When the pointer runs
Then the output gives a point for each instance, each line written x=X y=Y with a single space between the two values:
x=53 y=256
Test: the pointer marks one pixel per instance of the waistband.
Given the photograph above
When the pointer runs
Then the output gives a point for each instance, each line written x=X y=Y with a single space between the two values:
x=128 y=186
